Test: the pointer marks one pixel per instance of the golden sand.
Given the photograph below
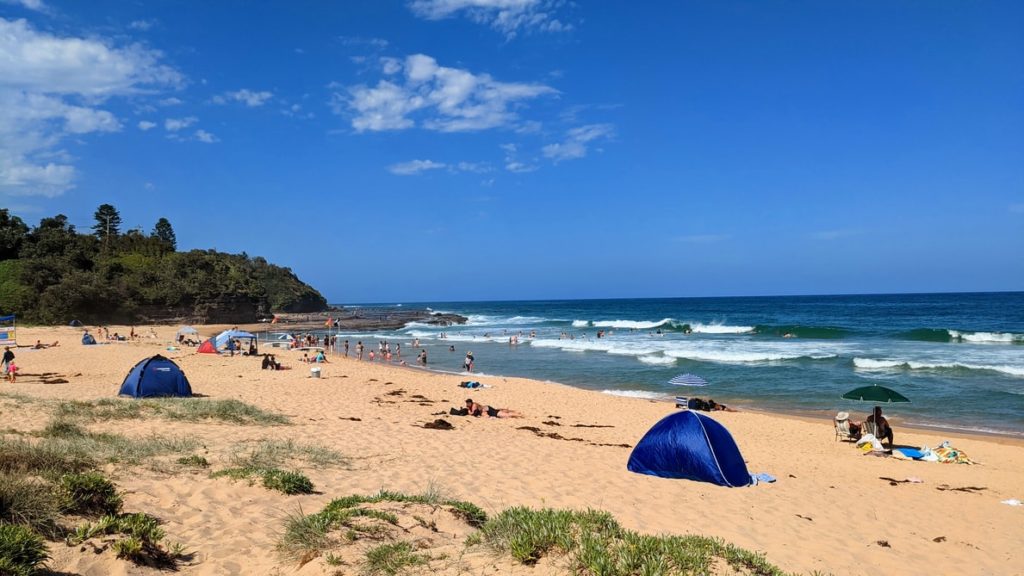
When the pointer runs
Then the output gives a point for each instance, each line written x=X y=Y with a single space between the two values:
x=828 y=511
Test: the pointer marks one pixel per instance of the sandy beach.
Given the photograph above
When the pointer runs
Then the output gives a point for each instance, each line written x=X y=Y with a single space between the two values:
x=829 y=511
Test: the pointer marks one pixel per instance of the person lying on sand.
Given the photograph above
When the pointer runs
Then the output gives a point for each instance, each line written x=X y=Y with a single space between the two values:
x=475 y=409
x=39 y=345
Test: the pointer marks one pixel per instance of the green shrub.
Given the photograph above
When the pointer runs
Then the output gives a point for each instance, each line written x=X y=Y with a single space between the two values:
x=90 y=493
x=287 y=482
x=194 y=461
x=21 y=550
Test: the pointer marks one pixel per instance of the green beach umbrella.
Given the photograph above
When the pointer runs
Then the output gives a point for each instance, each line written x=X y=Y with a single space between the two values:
x=876 y=394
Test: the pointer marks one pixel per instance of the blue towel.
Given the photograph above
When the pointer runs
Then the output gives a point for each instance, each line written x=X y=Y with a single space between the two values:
x=910 y=452
x=762 y=477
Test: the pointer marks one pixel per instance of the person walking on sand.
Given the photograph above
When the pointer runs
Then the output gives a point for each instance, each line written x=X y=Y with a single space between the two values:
x=7 y=359
x=359 y=350
x=12 y=372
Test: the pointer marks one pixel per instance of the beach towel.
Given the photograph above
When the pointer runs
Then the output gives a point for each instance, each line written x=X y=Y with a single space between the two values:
x=761 y=477
x=470 y=384
x=912 y=453
x=950 y=455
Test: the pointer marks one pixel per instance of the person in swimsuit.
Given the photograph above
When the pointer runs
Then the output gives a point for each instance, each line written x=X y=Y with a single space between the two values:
x=478 y=410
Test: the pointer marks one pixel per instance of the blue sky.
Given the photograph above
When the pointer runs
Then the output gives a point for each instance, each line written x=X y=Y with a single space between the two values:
x=433 y=150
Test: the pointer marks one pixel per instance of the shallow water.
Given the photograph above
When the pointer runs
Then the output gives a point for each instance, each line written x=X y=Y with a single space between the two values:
x=958 y=357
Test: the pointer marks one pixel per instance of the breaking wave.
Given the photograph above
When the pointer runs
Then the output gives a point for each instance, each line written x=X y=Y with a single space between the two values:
x=875 y=364
x=798 y=331
x=643 y=394
x=657 y=360
x=947 y=335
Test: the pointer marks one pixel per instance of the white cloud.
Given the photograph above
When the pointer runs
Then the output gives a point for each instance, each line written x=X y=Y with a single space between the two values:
x=51 y=88
x=413 y=167
x=37 y=5
x=250 y=98
x=447 y=99
x=577 y=141
x=142 y=24
x=172 y=101
x=175 y=124
x=146 y=125
x=204 y=136
x=378 y=43
x=506 y=16
x=512 y=163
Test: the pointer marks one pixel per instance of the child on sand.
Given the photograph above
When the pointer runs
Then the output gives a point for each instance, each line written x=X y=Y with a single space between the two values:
x=12 y=372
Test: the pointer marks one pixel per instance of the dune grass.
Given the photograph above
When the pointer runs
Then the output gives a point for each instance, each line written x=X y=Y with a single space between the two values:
x=22 y=551
x=595 y=543
x=183 y=409
x=66 y=437
x=32 y=502
x=270 y=453
x=308 y=536
x=392 y=558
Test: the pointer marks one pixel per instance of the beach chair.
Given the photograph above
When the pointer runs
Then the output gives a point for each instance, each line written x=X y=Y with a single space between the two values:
x=842 y=424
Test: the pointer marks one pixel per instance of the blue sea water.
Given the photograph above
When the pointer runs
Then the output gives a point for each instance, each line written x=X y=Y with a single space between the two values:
x=958 y=357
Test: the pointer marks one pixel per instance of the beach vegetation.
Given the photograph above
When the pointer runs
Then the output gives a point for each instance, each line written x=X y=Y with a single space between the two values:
x=90 y=493
x=29 y=501
x=141 y=539
x=391 y=558
x=287 y=482
x=52 y=272
x=194 y=461
x=64 y=437
x=595 y=543
x=271 y=453
x=22 y=551
x=183 y=409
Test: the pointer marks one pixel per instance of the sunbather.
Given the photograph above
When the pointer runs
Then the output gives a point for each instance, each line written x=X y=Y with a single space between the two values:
x=479 y=410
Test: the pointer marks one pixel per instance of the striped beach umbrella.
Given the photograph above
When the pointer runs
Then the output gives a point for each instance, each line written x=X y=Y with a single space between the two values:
x=688 y=380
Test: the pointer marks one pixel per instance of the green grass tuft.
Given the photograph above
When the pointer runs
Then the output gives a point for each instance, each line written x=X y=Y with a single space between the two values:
x=194 y=461
x=187 y=409
x=287 y=482
x=390 y=559
x=29 y=501
x=89 y=493
x=22 y=551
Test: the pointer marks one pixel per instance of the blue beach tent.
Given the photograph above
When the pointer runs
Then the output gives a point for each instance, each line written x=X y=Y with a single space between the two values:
x=691 y=446
x=154 y=377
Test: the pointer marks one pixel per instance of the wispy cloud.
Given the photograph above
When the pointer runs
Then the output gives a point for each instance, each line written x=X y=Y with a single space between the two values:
x=378 y=43
x=250 y=98
x=142 y=25
x=509 y=17
x=172 y=101
x=577 y=141
x=441 y=98
x=175 y=124
x=51 y=88
x=146 y=125
x=414 y=167
x=512 y=162
x=204 y=136
x=37 y=5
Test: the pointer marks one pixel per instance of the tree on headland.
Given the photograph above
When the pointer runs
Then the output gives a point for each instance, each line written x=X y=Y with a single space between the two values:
x=108 y=222
x=12 y=234
x=165 y=232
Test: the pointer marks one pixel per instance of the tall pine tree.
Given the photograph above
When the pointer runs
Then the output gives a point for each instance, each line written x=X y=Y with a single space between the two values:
x=165 y=232
x=108 y=222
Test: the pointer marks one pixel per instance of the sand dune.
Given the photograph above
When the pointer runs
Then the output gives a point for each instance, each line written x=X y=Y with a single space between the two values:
x=828 y=511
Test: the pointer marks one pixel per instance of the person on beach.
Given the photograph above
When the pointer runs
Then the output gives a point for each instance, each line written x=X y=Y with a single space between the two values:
x=359 y=350
x=478 y=410
x=7 y=359
x=320 y=358
x=346 y=348
x=422 y=358
x=883 y=430
x=12 y=372
x=468 y=362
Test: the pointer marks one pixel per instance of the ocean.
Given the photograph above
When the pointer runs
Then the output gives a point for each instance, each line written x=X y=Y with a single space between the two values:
x=958 y=357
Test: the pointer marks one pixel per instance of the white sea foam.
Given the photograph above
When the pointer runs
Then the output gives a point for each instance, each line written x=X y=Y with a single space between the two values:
x=629 y=324
x=657 y=360
x=744 y=357
x=719 y=329
x=636 y=394
x=728 y=352
x=874 y=364
x=987 y=337
x=580 y=323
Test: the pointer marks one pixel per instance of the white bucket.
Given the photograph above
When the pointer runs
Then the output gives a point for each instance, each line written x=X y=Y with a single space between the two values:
x=314 y=372
x=682 y=402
